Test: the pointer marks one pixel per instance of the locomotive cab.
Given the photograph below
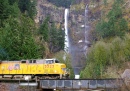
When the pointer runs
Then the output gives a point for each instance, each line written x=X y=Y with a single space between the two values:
x=51 y=61
x=54 y=67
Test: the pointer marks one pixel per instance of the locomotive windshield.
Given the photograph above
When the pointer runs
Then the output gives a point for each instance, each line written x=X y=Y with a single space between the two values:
x=50 y=61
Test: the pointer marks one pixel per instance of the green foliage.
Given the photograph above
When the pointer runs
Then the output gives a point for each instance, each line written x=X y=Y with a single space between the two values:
x=88 y=71
x=100 y=53
x=127 y=47
x=7 y=11
x=44 y=30
x=11 y=2
x=24 y=5
x=103 y=29
x=32 y=9
x=3 y=54
x=17 y=39
x=117 y=49
x=99 y=56
x=14 y=10
x=17 y=31
x=105 y=2
x=28 y=7
x=103 y=55
x=56 y=39
x=60 y=56
x=53 y=36
x=116 y=24
x=4 y=9
x=62 y=3
x=61 y=39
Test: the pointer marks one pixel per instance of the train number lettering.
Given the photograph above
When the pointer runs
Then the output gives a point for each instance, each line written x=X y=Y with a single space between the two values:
x=46 y=66
x=49 y=66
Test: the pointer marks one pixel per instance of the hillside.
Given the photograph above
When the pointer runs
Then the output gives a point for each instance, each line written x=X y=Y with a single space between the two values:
x=101 y=49
x=108 y=57
x=108 y=52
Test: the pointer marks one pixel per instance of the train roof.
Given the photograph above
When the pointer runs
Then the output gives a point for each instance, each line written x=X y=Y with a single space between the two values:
x=38 y=60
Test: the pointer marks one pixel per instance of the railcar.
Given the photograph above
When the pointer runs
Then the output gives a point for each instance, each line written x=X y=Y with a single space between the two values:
x=34 y=69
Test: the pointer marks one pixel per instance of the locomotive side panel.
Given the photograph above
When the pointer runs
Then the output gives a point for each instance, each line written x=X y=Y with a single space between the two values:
x=49 y=68
x=3 y=68
x=19 y=69
x=24 y=68
x=33 y=69
x=39 y=69
x=52 y=69
x=11 y=68
x=57 y=69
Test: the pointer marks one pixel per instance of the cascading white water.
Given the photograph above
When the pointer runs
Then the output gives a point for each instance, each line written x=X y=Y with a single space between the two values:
x=86 y=29
x=86 y=21
x=76 y=50
x=66 y=48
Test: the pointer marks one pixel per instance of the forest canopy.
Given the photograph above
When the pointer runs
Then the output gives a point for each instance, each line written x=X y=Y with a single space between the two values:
x=62 y=3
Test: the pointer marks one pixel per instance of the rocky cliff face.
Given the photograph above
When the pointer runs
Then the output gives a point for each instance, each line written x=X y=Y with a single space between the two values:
x=45 y=9
x=76 y=27
x=76 y=19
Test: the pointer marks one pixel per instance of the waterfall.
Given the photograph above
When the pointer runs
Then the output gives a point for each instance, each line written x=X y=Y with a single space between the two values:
x=66 y=48
x=76 y=47
x=86 y=22
x=86 y=29
x=84 y=43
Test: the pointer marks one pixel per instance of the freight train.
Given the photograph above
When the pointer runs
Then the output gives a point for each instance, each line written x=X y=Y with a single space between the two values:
x=34 y=69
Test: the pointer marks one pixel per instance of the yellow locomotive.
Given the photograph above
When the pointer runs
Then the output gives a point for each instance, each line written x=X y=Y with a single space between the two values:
x=40 y=68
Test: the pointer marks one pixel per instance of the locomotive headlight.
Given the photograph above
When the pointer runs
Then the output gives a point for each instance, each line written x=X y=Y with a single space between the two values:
x=55 y=71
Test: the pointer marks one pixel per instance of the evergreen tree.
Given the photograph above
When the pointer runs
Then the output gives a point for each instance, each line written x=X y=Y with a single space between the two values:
x=105 y=2
x=62 y=3
x=14 y=10
x=32 y=9
x=17 y=39
x=11 y=2
x=7 y=10
x=56 y=39
x=116 y=24
x=61 y=39
x=28 y=7
x=4 y=9
x=53 y=36
x=44 y=30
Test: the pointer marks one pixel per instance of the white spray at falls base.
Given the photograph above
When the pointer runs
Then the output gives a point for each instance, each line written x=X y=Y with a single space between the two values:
x=66 y=47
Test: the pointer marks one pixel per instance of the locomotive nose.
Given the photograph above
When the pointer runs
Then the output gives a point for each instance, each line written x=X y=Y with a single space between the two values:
x=66 y=72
